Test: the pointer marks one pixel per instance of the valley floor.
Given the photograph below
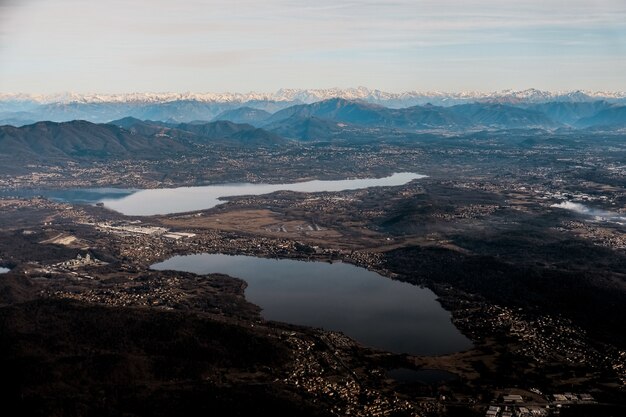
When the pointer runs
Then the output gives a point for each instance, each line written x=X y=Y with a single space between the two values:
x=539 y=289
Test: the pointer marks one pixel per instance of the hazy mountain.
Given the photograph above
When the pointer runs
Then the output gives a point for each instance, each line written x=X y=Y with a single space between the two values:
x=17 y=120
x=307 y=96
x=128 y=122
x=613 y=117
x=501 y=116
x=500 y=111
x=178 y=111
x=468 y=116
x=339 y=110
x=231 y=132
x=365 y=114
x=428 y=117
x=570 y=112
x=192 y=110
x=248 y=115
x=145 y=128
x=309 y=128
x=186 y=107
x=80 y=139
x=223 y=132
x=124 y=138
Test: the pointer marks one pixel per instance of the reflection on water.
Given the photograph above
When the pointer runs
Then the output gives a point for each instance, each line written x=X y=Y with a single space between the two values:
x=372 y=309
x=4 y=270
x=178 y=200
x=134 y=202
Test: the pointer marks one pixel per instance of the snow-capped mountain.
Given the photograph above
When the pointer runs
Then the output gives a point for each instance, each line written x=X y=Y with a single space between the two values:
x=314 y=95
x=19 y=109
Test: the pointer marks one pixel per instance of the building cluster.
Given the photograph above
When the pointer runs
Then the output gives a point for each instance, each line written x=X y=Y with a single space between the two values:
x=164 y=294
x=514 y=405
x=79 y=262
x=571 y=398
x=130 y=229
x=610 y=236
x=324 y=373
x=517 y=411
x=472 y=211
x=541 y=339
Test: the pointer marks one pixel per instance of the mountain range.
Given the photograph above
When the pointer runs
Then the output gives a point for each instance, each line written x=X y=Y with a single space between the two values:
x=125 y=139
x=327 y=120
x=307 y=96
x=20 y=109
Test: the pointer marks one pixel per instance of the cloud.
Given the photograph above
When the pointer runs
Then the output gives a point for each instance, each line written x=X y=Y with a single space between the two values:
x=199 y=59
x=597 y=214
x=389 y=40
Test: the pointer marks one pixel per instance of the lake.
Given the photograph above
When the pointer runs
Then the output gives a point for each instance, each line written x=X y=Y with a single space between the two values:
x=74 y=195
x=183 y=199
x=372 y=309
x=133 y=202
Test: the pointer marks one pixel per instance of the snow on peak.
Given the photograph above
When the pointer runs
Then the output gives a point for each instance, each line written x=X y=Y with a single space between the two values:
x=312 y=95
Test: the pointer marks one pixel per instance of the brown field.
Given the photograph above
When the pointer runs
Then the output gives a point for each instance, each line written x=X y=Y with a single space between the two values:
x=268 y=223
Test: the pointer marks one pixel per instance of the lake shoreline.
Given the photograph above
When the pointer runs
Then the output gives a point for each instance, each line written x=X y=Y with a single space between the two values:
x=401 y=317
x=163 y=201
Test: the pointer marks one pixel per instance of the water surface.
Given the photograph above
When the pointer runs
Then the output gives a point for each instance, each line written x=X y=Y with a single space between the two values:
x=4 y=270
x=133 y=202
x=73 y=195
x=372 y=309
x=183 y=199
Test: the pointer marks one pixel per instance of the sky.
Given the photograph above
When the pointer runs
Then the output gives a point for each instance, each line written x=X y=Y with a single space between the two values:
x=117 y=46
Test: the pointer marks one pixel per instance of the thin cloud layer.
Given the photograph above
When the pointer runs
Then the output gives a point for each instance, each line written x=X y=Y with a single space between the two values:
x=249 y=45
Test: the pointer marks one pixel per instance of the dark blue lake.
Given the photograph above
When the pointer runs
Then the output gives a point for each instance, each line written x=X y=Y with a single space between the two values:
x=372 y=309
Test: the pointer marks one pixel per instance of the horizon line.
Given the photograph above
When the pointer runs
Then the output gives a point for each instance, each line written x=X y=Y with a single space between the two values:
x=8 y=94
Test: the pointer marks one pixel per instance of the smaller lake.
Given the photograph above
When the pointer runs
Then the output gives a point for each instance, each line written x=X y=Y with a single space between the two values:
x=4 y=270
x=133 y=202
x=183 y=199
x=372 y=309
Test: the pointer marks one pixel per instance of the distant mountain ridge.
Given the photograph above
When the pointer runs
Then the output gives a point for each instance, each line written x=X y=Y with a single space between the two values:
x=80 y=139
x=221 y=131
x=255 y=108
x=325 y=119
x=315 y=119
x=125 y=138
x=244 y=115
x=307 y=96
